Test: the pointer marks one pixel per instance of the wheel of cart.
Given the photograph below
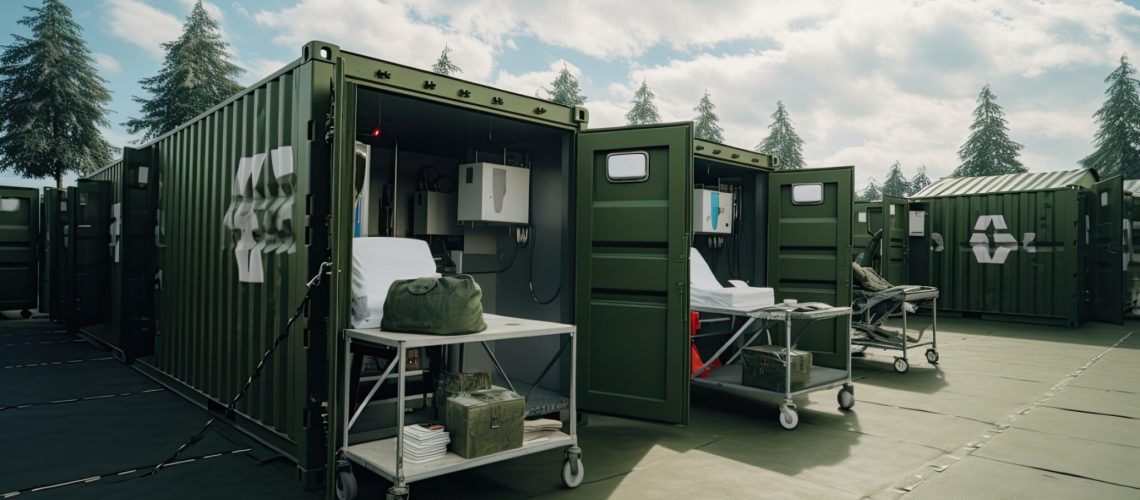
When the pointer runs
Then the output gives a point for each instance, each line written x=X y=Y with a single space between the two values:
x=932 y=356
x=901 y=365
x=345 y=480
x=846 y=397
x=789 y=419
x=572 y=470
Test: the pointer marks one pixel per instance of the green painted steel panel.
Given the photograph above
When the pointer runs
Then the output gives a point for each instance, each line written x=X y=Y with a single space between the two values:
x=632 y=276
x=894 y=249
x=89 y=205
x=808 y=253
x=56 y=262
x=1034 y=271
x=19 y=235
x=1132 y=225
x=1109 y=260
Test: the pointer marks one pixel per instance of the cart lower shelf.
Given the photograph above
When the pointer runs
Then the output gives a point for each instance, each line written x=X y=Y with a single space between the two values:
x=731 y=378
x=380 y=457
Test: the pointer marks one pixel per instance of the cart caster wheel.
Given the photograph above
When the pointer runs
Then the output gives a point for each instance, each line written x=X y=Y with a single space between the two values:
x=846 y=399
x=901 y=365
x=26 y=314
x=573 y=472
x=789 y=419
x=398 y=493
x=345 y=485
x=932 y=356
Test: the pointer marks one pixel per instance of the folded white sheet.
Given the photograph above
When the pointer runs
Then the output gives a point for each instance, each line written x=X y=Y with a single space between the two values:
x=376 y=263
x=706 y=291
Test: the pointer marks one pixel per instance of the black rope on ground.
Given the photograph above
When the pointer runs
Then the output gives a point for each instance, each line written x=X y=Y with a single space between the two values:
x=313 y=283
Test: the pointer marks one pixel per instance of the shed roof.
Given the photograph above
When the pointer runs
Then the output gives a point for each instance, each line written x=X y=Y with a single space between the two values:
x=1009 y=183
x=1132 y=186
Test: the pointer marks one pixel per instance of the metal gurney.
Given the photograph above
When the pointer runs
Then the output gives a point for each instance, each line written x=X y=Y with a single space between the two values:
x=875 y=299
x=729 y=376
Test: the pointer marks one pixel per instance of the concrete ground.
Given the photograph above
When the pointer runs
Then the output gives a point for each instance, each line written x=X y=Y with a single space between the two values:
x=1013 y=411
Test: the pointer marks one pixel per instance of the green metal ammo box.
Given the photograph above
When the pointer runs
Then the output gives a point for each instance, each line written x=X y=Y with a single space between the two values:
x=452 y=384
x=764 y=367
x=485 y=422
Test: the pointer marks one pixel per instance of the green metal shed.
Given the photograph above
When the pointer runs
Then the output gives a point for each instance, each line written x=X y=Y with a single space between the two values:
x=19 y=242
x=1042 y=246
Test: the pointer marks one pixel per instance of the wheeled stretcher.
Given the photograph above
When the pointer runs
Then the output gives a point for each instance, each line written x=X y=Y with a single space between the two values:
x=875 y=299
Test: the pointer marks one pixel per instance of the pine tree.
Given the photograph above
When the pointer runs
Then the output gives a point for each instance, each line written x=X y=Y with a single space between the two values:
x=919 y=181
x=566 y=91
x=707 y=122
x=644 y=112
x=52 y=101
x=989 y=150
x=870 y=192
x=783 y=141
x=196 y=75
x=1118 y=140
x=444 y=66
x=896 y=184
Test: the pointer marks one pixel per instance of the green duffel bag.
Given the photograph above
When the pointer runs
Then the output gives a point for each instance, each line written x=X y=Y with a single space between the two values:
x=451 y=305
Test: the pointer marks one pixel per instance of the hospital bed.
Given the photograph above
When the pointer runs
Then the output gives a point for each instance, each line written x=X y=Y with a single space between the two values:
x=757 y=309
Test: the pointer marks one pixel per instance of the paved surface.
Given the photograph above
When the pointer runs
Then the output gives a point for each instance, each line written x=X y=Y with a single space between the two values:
x=76 y=424
x=1013 y=411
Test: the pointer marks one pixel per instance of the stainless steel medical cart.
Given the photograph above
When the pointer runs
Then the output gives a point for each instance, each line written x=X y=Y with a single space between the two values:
x=386 y=456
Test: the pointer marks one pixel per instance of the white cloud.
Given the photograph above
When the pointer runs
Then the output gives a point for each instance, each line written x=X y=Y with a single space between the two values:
x=389 y=30
x=866 y=82
x=106 y=63
x=142 y=25
x=532 y=83
x=260 y=68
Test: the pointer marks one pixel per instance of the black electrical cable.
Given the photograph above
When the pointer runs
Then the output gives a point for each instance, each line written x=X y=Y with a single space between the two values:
x=530 y=285
x=313 y=283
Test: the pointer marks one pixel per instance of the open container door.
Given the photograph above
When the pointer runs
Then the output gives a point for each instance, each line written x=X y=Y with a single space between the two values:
x=19 y=232
x=91 y=229
x=895 y=238
x=1108 y=257
x=634 y=216
x=809 y=244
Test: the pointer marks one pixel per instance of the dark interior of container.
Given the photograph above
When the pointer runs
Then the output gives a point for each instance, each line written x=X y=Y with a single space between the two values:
x=740 y=255
x=415 y=147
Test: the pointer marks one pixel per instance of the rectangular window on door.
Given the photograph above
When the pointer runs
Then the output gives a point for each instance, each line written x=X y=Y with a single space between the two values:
x=627 y=167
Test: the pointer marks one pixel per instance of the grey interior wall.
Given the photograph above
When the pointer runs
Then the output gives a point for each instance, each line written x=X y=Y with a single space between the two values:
x=546 y=262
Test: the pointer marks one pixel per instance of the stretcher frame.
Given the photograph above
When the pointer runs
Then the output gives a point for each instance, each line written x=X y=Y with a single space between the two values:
x=728 y=377
x=878 y=335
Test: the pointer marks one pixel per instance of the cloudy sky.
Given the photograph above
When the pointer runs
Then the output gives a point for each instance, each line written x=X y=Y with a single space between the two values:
x=866 y=83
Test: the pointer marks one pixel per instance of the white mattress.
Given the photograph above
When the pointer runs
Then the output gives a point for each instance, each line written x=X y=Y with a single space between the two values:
x=706 y=291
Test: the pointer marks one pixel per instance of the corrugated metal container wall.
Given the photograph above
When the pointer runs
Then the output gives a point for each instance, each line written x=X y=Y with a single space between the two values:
x=234 y=211
x=1030 y=263
x=19 y=233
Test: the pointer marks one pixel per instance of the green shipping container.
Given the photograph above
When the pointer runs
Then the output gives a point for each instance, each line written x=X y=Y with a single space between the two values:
x=257 y=193
x=53 y=263
x=19 y=252
x=1042 y=247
